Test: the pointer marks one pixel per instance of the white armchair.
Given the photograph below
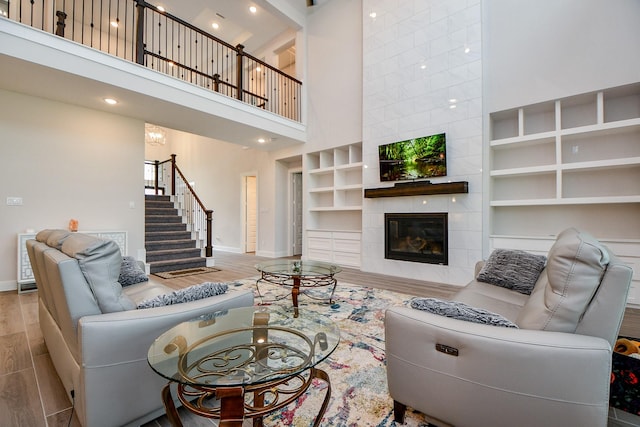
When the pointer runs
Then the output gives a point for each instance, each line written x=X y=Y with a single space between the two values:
x=554 y=370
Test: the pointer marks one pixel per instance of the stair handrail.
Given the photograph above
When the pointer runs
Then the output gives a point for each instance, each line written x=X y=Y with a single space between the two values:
x=198 y=217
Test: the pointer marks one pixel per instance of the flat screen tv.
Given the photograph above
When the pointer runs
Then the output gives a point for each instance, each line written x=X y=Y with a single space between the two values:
x=413 y=159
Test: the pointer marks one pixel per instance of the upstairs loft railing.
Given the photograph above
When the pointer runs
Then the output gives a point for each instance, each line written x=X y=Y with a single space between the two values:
x=137 y=31
x=167 y=174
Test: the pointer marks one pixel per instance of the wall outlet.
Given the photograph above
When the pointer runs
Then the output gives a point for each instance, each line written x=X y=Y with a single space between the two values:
x=14 y=201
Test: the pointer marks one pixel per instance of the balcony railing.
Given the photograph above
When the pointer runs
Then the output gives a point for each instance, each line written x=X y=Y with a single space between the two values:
x=137 y=31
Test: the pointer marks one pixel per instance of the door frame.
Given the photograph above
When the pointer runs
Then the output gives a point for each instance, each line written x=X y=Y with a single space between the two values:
x=290 y=214
x=243 y=204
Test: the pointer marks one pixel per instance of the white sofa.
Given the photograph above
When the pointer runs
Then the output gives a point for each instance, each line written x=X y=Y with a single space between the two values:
x=552 y=371
x=97 y=339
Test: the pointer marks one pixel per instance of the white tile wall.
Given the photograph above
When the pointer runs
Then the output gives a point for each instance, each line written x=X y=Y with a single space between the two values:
x=414 y=62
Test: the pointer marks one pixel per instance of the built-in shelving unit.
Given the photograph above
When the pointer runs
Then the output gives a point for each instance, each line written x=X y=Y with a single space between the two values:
x=334 y=205
x=567 y=162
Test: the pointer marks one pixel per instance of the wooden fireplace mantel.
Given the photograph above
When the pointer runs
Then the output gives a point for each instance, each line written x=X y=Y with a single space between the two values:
x=417 y=189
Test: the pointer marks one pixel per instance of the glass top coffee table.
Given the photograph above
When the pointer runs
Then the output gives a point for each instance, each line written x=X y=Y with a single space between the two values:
x=298 y=275
x=243 y=362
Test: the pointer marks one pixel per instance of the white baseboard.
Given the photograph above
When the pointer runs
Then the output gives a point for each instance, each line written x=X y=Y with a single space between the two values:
x=227 y=249
x=8 y=285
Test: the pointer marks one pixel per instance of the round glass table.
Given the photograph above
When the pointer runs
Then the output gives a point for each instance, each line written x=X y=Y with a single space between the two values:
x=243 y=362
x=298 y=275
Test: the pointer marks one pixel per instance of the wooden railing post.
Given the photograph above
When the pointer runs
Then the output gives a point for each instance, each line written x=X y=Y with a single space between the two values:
x=156 y=165
x=173 y=174
x=209 y=247
x=216 y=82
x=60 y=24
x=239 y=71
x=140 y=32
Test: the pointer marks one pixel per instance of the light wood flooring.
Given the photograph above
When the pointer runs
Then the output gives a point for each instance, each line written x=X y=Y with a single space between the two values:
x=31 y=394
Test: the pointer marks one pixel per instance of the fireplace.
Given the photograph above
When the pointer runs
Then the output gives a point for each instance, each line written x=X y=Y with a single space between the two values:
x=417 y=237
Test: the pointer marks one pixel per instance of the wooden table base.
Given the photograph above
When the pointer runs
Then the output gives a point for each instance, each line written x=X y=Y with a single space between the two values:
x=232 y=405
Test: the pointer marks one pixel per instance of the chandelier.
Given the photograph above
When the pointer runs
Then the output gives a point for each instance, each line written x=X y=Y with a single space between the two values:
x=154 y=135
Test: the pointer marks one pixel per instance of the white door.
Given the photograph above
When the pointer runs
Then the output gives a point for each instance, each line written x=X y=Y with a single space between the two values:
x=296 y=214
x=250 y=213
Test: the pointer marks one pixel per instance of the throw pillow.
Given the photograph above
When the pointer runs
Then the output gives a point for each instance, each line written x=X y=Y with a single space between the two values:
x=461 y=311
x=192 y=293
x=512 y=269
x=130 y=272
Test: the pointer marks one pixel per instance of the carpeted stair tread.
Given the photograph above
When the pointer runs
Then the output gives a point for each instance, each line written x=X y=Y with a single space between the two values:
x=162 y=226
x=156 y=236
x=160 y=245
x=173 y=254
x=160 y=211
x=166 y=219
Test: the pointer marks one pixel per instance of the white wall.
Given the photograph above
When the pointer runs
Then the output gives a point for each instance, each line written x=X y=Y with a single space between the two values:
x=414 y=63
x=334 y=75
x=537 y=50
x=67 y=162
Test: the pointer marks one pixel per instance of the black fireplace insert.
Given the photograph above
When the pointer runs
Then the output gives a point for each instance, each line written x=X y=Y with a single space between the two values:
x=418 y=237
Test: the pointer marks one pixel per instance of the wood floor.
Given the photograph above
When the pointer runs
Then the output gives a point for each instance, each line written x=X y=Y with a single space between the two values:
x=31 y=394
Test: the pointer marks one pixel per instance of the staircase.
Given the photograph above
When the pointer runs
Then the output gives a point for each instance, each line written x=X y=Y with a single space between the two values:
x=168 y=244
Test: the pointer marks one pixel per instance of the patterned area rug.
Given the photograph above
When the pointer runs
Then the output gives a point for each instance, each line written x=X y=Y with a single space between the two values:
x=186 y=272
x=359 y=395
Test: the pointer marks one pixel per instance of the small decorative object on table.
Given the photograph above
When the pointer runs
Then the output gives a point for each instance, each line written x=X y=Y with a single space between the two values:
x=73 y=225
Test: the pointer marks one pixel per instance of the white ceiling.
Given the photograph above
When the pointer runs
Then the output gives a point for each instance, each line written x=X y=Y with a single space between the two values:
x=237 y=24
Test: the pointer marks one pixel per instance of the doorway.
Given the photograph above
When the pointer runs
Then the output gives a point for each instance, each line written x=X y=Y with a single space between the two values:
x=296 y=213
x=250 y=214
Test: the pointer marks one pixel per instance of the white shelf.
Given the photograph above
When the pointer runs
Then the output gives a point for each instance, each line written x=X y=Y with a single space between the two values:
x=535 y=139
x=602 y=164
x=567 y=201
x=321 y=190
x=533 y=170
x=323 y=171
x=336 y=208
x=352 y=166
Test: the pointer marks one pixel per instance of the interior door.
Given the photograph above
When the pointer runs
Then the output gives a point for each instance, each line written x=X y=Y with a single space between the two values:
x=250 y=213
x=296 y=206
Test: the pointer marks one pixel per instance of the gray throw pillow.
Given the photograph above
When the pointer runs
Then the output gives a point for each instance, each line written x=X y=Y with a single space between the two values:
x=131 y=272
x=461 y=311
x=512 y=269
x=192 y=293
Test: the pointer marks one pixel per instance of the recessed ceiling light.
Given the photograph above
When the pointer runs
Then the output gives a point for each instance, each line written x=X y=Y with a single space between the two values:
x=453 y=101
x=262 y=140
x=423 y=67
x=452 y=106
x=215 y=25
x=467 y=49
x=373 y=15
x=253 y=9
x=110 y=101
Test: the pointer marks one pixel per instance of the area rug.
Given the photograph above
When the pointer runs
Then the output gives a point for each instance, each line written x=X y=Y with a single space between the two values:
x=186 y=272
x=359 y=395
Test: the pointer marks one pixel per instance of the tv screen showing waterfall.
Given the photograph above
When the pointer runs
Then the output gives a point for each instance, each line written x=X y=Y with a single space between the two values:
x=413 y=159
